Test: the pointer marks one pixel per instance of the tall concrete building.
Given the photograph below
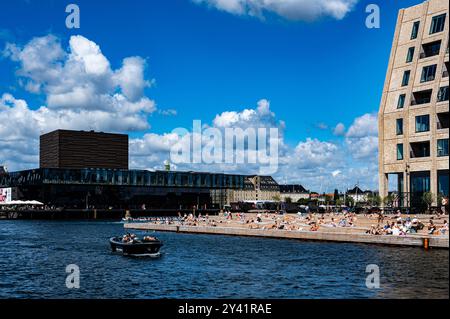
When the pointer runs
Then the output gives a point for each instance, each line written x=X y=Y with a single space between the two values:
x=414 y=111
x=81 y=149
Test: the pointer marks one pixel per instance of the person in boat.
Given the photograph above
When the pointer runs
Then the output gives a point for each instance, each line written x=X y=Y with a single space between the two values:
x=134 y=238
x=129 y=238
x=126 y=238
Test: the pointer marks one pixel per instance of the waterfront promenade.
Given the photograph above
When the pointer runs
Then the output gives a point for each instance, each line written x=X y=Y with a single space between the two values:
x=299 y=228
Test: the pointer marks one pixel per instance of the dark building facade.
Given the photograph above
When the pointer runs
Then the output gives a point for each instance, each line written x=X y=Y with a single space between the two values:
x=105 y=188
x=83 y=149
x=293 y=188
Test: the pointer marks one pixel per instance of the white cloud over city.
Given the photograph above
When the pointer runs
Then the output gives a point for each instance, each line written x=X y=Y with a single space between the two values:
x=79 y=83
x=83 y=92
x=362 y=137
x=295 y=10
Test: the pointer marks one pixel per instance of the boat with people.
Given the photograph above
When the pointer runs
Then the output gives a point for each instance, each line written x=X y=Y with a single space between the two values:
x=130 y=245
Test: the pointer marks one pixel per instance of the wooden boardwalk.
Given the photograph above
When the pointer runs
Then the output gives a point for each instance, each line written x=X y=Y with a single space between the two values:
x=410 y=240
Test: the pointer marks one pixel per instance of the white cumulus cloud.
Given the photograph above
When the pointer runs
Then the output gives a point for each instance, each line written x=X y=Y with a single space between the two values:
x=339 y=129
x=305 y=10
x=366 y=125
x=262 y=116
x=362 y=137
x=80 y=78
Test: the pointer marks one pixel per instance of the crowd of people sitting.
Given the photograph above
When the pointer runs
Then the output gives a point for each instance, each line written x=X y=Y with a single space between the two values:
x=16 y=208
x=395 y=225
x=199 y=220
x=168 y=220
x=267 y=220
x=400 y=226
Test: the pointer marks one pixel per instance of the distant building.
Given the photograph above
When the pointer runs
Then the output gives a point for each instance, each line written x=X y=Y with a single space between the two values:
x=255 y=188
x=414 y=110
x=358 y=195
x=3 y=170
x=294 y=192
x=314 y=196
x=81 y=149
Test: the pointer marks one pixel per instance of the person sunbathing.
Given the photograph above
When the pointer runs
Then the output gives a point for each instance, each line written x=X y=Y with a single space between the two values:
x=333 y=223
x=431 y=228
x=444 y=228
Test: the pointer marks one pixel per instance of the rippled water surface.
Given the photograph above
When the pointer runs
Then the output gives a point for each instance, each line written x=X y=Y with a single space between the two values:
x=34 y=256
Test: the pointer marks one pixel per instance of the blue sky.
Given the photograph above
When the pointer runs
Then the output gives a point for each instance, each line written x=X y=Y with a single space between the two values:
x=205 y=61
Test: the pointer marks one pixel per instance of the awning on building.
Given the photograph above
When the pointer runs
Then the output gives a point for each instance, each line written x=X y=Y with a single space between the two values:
x=22 y=202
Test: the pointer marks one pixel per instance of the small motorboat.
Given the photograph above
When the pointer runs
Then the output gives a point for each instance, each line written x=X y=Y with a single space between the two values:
x=132 y=246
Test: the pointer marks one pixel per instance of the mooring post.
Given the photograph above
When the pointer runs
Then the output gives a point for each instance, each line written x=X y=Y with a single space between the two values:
x=426 y=243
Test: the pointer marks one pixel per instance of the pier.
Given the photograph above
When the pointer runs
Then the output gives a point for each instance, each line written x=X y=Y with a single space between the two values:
x=91 y=214
x=344 y=237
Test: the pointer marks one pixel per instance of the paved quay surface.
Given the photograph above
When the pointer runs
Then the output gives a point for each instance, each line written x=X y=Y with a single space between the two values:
x=356 y=234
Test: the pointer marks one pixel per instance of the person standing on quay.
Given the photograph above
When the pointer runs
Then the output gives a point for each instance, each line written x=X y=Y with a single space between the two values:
x=444 y=205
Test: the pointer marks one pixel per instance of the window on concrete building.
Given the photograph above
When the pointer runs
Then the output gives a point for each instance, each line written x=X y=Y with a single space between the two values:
x=401 y=101
x=430 y=49
x=422 y=123
x=420 y=149
x=428 y=73
x=442 y=120
x=437 y=24
x=421 y=97
x=443 y=178
x=410 y=55
x=442 y=147
x=446 y=67
x=399 y=152
x=420 y=182
x=405 y=80
x=399 y=127
x=415 y=30
x=443 y=94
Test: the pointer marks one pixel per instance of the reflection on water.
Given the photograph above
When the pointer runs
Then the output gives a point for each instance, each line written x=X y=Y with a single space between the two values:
x=34 y=255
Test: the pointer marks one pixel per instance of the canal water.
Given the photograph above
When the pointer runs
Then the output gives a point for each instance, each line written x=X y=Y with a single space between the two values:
x=34 y=256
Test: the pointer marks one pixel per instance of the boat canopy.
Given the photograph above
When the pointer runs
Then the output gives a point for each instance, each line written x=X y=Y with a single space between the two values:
x=22 y=202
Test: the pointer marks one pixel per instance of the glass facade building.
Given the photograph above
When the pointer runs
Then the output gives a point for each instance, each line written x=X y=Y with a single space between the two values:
x=102 y=188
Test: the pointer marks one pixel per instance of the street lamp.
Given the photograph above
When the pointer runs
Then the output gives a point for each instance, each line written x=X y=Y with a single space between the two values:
x=406 y=184
x=87 y=200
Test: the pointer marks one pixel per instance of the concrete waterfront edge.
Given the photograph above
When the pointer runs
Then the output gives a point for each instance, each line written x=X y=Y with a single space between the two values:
x=413 y=240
